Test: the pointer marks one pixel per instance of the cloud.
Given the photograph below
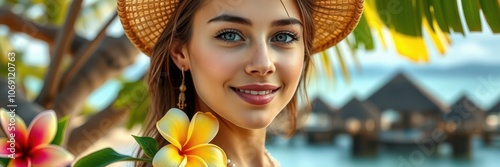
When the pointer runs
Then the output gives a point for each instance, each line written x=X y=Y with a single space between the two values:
x=474 y=48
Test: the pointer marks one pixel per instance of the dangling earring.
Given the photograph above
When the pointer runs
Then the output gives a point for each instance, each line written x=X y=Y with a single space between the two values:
x=182 y=96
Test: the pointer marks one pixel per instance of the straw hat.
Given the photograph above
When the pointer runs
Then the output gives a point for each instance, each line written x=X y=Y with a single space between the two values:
x=144 y=21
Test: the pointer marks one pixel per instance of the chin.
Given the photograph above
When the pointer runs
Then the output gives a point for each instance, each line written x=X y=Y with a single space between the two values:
x=254 y=123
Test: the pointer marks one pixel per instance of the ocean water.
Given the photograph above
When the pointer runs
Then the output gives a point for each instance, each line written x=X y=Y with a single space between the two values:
x=300 y=154
x=295 y=152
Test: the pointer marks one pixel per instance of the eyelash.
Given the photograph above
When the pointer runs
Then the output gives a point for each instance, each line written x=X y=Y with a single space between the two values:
x=292 y=34
x=219 y=34
x=228 y=30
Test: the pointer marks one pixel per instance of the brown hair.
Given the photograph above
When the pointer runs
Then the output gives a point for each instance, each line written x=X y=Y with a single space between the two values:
x=164 y=77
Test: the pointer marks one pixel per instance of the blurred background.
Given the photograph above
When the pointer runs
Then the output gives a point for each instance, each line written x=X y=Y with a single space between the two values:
x=416 y=84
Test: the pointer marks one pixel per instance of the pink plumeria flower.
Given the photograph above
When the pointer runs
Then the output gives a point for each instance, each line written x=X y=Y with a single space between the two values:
x=31 y=147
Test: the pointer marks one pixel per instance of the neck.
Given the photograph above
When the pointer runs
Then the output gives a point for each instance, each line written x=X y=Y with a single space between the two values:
x=244 y=147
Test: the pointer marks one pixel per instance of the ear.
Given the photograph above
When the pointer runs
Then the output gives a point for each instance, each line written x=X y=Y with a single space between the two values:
x=180 y=55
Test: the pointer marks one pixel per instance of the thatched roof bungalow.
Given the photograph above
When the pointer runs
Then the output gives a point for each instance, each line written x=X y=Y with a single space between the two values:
x=410 y=100
x=359 y=117
x=321 y=116
x=402 y=94
x=464 y=117
x=319 y=125
x=495 y=109
x=492 y=122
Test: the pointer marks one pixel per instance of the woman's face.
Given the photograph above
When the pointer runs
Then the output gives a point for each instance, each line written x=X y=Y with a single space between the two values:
x=246 y=58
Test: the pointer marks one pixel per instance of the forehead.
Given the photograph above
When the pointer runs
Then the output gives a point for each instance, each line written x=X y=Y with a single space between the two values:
x=252 y=9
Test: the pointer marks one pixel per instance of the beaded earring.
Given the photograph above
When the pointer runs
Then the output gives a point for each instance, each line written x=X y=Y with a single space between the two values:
x=182 y=97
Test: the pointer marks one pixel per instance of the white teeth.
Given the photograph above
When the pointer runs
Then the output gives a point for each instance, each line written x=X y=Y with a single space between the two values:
x=264 y=92
x=252 y=92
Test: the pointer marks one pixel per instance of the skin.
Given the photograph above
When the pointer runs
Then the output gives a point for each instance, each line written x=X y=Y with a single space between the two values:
x=223 y=54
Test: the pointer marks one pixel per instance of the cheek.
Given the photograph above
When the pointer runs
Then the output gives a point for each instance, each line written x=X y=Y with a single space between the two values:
x=211 y=66
x=291 y=70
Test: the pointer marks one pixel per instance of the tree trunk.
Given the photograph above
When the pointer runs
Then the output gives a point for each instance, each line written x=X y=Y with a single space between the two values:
x=112 y=56
x=107 y=62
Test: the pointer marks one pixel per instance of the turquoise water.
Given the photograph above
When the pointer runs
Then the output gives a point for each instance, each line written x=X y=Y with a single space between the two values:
x=300 y=154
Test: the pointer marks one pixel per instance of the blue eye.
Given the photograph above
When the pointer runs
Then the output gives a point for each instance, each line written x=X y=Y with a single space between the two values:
x=285 y=37
x=229 y=35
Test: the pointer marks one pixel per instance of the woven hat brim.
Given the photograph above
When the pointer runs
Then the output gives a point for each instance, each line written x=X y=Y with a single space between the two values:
x=334 y=21
x=144 y=20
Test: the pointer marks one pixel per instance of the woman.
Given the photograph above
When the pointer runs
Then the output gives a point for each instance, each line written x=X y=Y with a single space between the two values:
x=241 y=60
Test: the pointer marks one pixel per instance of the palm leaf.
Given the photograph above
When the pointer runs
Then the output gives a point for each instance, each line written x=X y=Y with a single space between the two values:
x=407 y=19
x=343 y=67
x=471 y=10
x=409 y=22
x=452 y=16
x=327 y=64
x=133 y=95
x=362 y=35
x=55 y=10
x=491 y=11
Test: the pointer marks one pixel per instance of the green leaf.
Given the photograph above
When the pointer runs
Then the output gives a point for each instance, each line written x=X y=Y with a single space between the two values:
x=137 y=114
x=426 y=8
x=439 y=14
x=148 y=145
x=12 y=1
x=384 y=11
x=130 y=94
x=362 y=35
x=404 y=16
x=61 y=128
x=4 y=161
x=56 y=10
x=471 y=13
x=491 y=11
x=133 y=95
x=452 y=16
x=409 y=19
x=105 y=157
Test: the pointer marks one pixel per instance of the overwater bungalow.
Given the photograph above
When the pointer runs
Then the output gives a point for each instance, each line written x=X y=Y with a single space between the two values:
x=358 y=117
x=463 y=120
x=409 y=113
x=464 y=117
x=319 y=126
x=361 y=120
x=492 y=124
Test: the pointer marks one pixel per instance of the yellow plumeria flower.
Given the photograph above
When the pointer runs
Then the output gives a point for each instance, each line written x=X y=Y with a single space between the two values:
x=189 y=141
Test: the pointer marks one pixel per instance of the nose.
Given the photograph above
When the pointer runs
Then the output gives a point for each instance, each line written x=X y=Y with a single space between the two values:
x=261 y=62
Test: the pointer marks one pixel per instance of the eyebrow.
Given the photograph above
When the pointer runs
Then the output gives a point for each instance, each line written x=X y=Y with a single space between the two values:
x=245 y=21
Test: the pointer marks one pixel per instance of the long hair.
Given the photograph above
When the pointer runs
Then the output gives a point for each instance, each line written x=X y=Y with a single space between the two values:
x=164 y=77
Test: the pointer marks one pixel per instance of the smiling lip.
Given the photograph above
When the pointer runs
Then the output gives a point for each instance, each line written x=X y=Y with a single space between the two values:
x=256 y=94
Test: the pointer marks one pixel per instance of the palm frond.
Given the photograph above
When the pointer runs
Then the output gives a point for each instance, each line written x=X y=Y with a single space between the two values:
x=410 y=22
